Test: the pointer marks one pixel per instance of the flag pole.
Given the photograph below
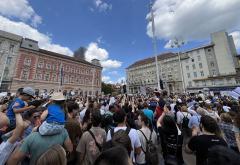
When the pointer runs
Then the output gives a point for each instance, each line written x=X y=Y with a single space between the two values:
x=61 y=77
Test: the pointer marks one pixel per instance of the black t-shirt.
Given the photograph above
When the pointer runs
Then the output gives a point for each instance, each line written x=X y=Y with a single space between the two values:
x=201 y=144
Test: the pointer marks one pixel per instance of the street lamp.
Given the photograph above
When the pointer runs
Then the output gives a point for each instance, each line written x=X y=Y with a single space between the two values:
x=177 y=43
x=2 y=52
x=93 y=77
x=154 y=40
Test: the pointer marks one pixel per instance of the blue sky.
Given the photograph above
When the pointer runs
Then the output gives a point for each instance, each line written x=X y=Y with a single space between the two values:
x=117 y=31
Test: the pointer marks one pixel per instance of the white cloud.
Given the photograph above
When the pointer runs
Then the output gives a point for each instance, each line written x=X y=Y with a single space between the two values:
x=22 y=29
x=95 y=52
x=109 y=64
x=19 y=9
x=236 y=38
x=102 y=6
x=106 y=79
x=193 y=19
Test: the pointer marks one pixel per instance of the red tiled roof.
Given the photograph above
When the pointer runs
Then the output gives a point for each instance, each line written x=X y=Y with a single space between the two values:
x=152 y=59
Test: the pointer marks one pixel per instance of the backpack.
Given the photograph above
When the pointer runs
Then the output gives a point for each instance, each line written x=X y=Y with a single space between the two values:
x=97 y=144
x=126 y=131
x=185 y=121
x=151 y=153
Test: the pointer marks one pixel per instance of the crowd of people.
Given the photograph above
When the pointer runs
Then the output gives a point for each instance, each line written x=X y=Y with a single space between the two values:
x=120 y=130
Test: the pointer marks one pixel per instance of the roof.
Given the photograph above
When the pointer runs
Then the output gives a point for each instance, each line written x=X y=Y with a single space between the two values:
x=10 y=36
x=200 y=47
x=54 y=54
x=152 y=59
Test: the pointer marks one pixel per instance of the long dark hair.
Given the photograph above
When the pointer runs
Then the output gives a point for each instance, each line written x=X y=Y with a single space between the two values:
x=169 y=125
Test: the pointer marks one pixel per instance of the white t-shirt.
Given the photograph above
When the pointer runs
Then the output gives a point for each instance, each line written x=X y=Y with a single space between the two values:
x=82 y=114
x=172 y=107
x=226 y=108
x=180 y=116
x=140 y=159
x=6 y=149
x=135 y=141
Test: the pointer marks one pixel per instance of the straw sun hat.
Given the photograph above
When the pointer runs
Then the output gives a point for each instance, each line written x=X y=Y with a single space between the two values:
x=58 y=96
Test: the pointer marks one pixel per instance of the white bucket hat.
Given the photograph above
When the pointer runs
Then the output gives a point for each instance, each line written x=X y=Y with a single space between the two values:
x=58 y=96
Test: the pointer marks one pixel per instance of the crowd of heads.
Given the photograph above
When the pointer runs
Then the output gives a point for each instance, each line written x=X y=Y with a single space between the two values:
x=115 y=128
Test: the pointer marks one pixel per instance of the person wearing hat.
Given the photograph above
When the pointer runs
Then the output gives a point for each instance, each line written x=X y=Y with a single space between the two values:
x=17 y=106
x=55 y=116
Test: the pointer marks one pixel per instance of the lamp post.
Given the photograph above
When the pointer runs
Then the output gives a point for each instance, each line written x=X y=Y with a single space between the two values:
x=177 y=43
x=2 y=52
x=93 y=71
x=154 y=40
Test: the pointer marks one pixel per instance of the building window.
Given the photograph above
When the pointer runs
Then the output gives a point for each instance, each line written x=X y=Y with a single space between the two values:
x=193 y=66
x=25 y=74
x=202 y=73
x=213 y=72
x=213 y=82
x=188 y=75
x=209 y=50
x=48 y=66
x=195 y=74
x=212 y=64
x=198 y=52
x=6 y=72
x=204 y=83
x=200 y=65
x=27 y=61
x=66 y=79
x=54 y=67
x=189 y=83
x=9 y=60
x=40 y=64
x=11 y=48
x=54 y=77
x=38 y=76
x=199 y=58
x=47 y=77
x=187 y=67
x=67 y=68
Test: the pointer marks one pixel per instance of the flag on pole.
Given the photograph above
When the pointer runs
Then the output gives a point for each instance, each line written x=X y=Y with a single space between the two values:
x=61 y=77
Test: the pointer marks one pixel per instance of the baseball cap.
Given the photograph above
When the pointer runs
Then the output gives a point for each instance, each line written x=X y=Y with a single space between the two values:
x=29 y=91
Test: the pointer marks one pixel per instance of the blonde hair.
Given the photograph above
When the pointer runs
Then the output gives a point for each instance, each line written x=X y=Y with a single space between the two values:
x=184 y=109
x=54 y=155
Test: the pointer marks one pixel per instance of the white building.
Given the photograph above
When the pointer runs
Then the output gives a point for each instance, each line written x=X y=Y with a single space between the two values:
x=213 y=66
x=142 y=74
x=9 y=47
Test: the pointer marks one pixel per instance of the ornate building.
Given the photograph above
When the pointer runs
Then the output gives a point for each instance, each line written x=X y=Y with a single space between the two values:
x=45 y=70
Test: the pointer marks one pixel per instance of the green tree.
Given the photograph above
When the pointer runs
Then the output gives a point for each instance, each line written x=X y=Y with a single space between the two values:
x=107 y=88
